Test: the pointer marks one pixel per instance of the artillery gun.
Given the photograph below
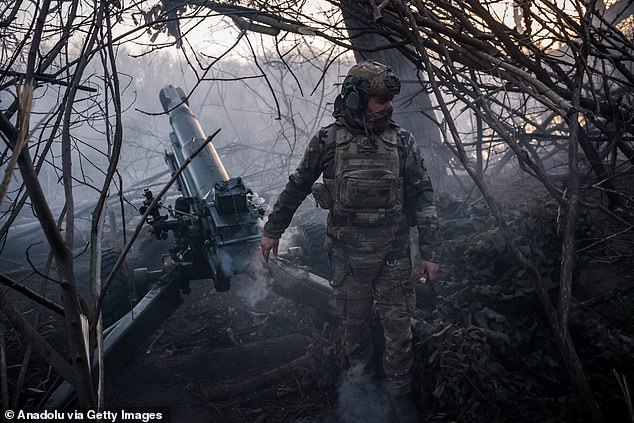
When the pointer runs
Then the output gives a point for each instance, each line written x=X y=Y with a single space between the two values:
x=215 y=229
x=217 y=216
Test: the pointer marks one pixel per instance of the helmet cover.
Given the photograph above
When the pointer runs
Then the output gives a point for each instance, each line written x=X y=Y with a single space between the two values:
x=372 y=78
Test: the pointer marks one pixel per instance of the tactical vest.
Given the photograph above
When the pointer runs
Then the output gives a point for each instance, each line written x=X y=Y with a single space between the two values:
x=368 y=188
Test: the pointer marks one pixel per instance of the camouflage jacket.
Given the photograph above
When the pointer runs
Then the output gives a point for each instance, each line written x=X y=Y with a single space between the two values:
x=391 y=241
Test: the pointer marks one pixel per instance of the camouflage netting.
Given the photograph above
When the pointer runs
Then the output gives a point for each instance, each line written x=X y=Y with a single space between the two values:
x=486 y=352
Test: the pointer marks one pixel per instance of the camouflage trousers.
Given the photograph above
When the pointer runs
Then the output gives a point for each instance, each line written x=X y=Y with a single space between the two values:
x=388 y=289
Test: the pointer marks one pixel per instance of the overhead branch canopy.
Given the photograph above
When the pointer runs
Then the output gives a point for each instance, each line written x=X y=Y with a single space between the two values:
x=533 y=47
x=516 y=60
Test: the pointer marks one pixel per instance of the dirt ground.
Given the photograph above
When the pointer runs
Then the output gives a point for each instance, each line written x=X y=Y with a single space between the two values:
x=218 y=338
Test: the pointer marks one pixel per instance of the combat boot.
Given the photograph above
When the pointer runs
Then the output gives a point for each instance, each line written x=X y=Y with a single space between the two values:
x=405 y=409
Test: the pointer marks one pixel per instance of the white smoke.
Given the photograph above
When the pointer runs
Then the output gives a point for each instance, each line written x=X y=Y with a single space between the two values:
x=361 y=399
x=288 y=239
x=226 y=262
x=258 y=281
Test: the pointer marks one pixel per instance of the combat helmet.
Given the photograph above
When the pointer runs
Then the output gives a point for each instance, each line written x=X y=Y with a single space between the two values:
x=368 y=79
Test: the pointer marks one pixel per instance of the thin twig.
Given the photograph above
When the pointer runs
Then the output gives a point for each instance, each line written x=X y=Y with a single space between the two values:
x=29 y=293
x=625 y=390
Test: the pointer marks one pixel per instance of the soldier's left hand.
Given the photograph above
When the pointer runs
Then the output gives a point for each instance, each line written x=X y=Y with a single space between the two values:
x=429 y=270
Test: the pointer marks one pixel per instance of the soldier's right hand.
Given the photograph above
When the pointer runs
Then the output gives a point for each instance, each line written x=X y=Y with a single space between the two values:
x=267 y=244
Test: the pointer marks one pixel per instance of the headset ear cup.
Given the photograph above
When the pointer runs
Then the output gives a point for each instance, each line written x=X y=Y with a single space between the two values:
x=353 y=101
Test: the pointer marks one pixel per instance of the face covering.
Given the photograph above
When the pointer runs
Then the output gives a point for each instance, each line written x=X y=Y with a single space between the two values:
x=377 y=122
x=370 y=123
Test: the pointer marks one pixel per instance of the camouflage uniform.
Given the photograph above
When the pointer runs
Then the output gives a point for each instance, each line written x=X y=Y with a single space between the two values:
x=369 y=248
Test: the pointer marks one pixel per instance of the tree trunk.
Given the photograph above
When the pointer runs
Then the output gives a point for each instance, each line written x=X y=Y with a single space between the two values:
x=412 y=106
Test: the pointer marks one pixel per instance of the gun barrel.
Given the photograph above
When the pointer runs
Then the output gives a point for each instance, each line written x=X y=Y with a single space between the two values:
x=207 y=168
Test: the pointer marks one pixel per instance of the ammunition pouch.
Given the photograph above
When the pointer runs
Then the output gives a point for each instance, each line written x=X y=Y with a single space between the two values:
x=369 y=192
x=323 y=195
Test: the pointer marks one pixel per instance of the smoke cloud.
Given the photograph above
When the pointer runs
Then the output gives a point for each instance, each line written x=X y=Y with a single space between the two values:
x=258 y=285
x=361 y=399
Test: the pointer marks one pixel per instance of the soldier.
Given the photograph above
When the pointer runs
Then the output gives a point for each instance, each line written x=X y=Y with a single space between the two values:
x=375 y=187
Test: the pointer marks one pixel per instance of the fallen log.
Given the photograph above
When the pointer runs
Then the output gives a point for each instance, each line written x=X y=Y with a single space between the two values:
x=234 y=390
x=228 y=362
